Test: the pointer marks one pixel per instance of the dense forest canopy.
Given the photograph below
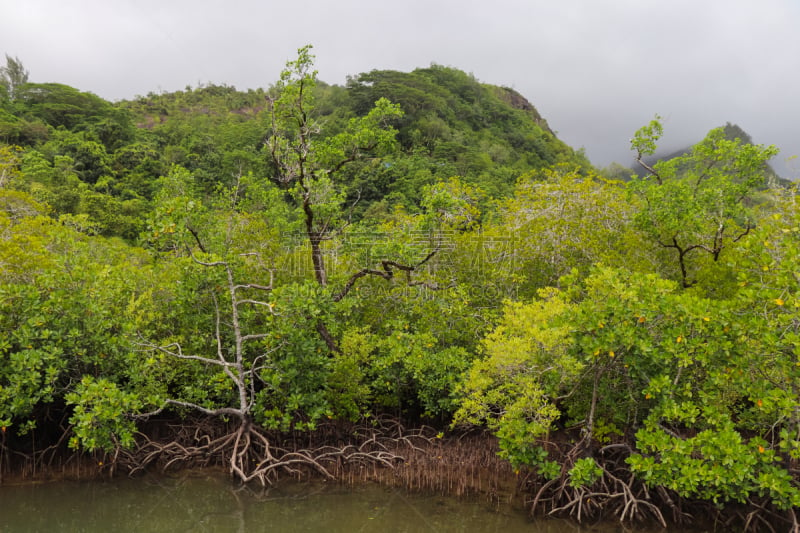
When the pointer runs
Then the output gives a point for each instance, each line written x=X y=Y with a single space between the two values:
x=419 y=245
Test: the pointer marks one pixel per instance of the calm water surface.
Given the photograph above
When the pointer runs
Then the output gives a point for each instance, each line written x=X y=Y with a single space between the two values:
x=205 y=502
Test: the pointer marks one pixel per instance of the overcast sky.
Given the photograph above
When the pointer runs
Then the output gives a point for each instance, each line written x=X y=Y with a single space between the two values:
x=596 y=69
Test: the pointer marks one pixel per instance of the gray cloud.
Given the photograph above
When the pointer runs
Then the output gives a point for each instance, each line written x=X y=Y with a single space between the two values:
x=596 y=69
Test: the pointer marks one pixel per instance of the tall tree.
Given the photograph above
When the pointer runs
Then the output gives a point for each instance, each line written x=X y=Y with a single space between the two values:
x=700 y=203
x=13 y=75
x=306 y=163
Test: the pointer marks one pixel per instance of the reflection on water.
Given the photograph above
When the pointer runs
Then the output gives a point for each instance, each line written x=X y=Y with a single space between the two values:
x=199 y=503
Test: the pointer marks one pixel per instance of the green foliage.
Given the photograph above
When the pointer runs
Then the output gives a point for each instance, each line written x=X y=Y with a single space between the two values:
x=30 y=359
x=295 y=374
x=635 y=351
x=415 y=244
x=60 y=304
x=584 y=473
x=487 y=135
x=9 y=164
x=90 y=161
x=454 y=125
x=563 y=220
x=451 y=205
x=61 y=105
x=527 y=365
x=644 y=142
x=99 y=415
x=411 y=372
x=716 y=464
x=699 y=204
x=177 y=210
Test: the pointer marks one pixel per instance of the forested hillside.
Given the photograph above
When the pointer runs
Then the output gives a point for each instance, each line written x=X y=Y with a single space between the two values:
x=84 y=155
x=418 y=246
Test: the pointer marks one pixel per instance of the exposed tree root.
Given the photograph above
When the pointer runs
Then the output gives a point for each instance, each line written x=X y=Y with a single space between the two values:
x=759 y=516
x=385 y=451
x=620 y=494
x=252 y=454
x=617 y=493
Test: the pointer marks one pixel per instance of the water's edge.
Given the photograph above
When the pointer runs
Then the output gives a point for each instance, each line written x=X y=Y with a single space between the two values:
x=206 y=500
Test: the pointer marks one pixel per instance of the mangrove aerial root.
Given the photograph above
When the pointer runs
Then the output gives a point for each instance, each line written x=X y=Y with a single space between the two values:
x=616 y=493
x=252 y=454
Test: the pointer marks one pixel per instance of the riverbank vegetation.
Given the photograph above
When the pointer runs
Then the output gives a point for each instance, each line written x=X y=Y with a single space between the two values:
x=273 y=279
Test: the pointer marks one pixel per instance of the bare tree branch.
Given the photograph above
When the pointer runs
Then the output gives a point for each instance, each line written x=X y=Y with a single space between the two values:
x=648 y=168
x=196 y=238
x=179 y=355
x=387 y=273
x=222 y=411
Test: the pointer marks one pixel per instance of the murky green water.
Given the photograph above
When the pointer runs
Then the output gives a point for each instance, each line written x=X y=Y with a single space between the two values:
x=200 y=503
